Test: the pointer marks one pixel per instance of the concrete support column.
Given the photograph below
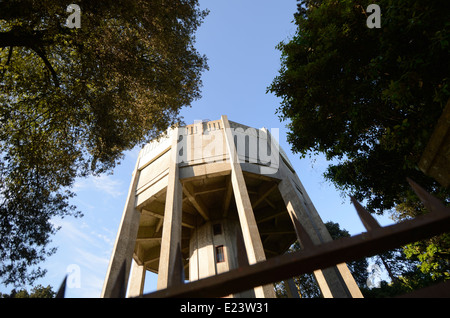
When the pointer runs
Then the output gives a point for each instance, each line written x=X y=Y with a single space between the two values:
x=137 y=280
x=336 y=281
x=349 y=280
x=125 y=239
x=250 y=232
x=341 y=270
x=291 y=289
x=171 y=232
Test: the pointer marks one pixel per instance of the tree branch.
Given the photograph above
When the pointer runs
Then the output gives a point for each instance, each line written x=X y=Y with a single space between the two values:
x=9 y=55
x=33 y=40
x=22 y=37
x=41 y=53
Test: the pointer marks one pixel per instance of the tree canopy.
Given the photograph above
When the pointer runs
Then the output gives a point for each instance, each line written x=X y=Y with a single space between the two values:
x=366 y=98
x=369 y=99
x=72 y=100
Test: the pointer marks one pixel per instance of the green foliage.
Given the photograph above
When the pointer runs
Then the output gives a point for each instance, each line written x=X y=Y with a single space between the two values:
x=367 y=97
x=404 y=271
x=433 y=255
x=369 y=100
x=36 y=292
x=73 y=100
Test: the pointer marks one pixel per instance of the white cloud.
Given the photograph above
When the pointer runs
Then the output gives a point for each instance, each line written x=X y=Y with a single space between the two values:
x=91 y=261
x=92 y=273
x=106 y=184
x=84 y=248
x=70 y=231
x=104 y=238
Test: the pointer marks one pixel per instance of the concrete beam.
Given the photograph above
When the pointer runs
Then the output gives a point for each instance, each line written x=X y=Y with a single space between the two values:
x=227 y=196
x=291 y=289
x=189 y=191
x=204 y=170
x=137 y=280
x=263 y=192
x=331 y=281
x=187 y=219
x=252 y=239
x=268 y=213
x=171 y=232
x=125 y=239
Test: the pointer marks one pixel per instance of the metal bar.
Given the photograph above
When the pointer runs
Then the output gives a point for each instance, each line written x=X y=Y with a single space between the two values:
x=306 y=261
x=62 y=289
x=367 y=219
x=432 y=204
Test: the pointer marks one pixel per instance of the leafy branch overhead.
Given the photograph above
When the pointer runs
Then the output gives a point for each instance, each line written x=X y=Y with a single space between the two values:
x=368 y=99
x=73 y=100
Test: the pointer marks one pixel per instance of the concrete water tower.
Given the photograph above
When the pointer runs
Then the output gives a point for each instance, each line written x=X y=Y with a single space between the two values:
x=198 y=188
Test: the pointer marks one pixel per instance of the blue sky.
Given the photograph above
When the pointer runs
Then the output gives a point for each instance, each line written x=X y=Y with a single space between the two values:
x=239 y=39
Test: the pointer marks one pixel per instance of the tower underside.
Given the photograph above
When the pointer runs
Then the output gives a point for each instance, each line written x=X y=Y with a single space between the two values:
x=214 y=196
x=196 y=190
